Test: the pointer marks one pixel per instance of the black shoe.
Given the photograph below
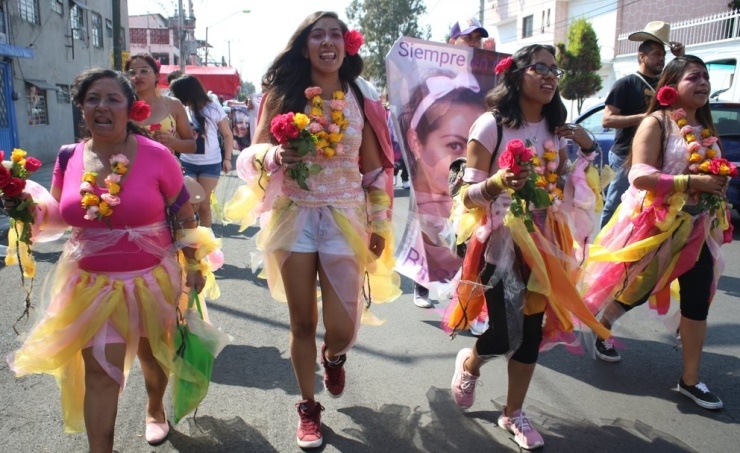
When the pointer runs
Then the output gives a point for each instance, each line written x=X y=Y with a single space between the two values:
x=700 y=394
x=606 y=352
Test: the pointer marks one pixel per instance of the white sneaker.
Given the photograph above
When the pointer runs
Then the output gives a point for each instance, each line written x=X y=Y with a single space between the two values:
x=421 y=297
x=406 y=185
x=477 y=327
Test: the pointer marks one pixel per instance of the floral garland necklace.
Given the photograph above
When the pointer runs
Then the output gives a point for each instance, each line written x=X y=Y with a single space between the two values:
x=101 y=207
x=701 y=149
x=547 y=172
x=328 y=135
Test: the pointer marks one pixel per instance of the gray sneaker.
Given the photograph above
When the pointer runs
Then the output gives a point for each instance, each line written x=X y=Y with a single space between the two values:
x=421 y=297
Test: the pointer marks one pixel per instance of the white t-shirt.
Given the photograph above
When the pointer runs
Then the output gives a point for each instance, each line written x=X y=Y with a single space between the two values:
x=213 y=113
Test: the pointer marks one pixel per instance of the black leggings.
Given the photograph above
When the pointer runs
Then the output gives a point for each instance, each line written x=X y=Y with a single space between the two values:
x=495 y=340
x=695 y=287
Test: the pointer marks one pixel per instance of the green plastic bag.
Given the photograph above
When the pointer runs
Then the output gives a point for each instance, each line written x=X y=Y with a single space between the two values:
x=197 y=343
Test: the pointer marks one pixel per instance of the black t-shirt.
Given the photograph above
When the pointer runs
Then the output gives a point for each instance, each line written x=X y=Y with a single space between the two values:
x=631 y=95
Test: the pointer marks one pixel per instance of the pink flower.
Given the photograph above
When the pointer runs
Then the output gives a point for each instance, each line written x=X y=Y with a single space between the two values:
x=353 y=39
x=2 y=155
x=112 y=200
x=677 y=114
x=709 y=141
x=315 y=127
x=340 y=149
x=551 y=186
x=337 y=104
x=333 y=128
x=694 y=147
x=666 y=95
x=687 y=130
x=120 y=159
x=515 y=147
x=540 y=170
x=92 y=213
x=283 y=128
x=113 y=177
x=527 y=155
x=549 y=145
x=694 y=168
x=552 y=166
x=312 y=91
x=503 y=65
x=86 y=187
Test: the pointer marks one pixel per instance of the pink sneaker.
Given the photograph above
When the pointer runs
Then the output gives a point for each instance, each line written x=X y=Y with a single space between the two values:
x=524 y=433
x=309 y=424
x=463 y=383
x=333 y=373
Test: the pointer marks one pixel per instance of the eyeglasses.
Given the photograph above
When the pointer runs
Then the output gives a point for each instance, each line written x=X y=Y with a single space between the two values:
x=133 y=72
x=542 y=69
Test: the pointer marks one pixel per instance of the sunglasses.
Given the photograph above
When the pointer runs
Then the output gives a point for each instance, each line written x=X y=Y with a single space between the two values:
x=542 y=69
x=133 y=72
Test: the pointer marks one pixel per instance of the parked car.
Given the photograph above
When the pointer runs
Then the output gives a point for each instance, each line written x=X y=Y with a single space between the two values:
x=726 y=116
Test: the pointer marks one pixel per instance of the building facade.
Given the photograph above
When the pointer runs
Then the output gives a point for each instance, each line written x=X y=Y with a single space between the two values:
x=44 y=45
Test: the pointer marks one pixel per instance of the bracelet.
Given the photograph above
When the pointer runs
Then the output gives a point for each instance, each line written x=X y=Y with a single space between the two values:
x=498 y=181
x=591 y=148
x=486 y=193
x=688 y=183
x=680 y=183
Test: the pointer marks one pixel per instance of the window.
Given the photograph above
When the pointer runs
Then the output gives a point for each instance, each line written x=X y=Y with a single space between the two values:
x=29 y=10
x=138 y=35
x=96 y=28
x=58 y=7
x=542 y=27
x=159 y=36
x=548 y=17
x=38 y=112
x=108 y=28
x=63 y=96
x=77 y=22
x=527 y=26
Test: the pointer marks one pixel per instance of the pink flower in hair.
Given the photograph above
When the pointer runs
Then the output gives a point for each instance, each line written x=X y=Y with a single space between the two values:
x=353 y=40
x=504 y=65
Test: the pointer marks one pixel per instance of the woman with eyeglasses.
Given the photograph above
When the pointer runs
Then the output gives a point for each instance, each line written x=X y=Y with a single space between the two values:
x=168 y=122
x=528 y=274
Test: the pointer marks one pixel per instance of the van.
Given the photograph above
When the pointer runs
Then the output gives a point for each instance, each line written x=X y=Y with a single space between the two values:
x=723 y=74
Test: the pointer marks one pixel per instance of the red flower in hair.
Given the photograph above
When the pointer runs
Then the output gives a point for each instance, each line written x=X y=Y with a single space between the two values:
x=666 y=95
x=140 y=111
x=353 y=39
x=503 y=65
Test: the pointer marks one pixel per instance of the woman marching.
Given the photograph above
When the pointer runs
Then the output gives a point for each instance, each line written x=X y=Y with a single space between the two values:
x=528 y=269
x=672 y=220
x=331 y=224
x=112 y=296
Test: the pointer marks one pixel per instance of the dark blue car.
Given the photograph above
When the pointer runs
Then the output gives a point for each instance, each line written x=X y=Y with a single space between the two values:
x=726 y=116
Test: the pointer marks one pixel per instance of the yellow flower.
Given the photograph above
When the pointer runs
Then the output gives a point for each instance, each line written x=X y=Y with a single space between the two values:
x=704 y=166
x=706 y=133
x=338 y=95
x=337 y=116
x=120 y=169
x=695 y=157
x=551 y=177
x=301 y=120
x=113 y=188
x=316 y=111
x=690 y=137
x=558 y=193
x=541 y=182
x=535 y=161
x=711 y=153
x=317 y=101
x=550 y=155
x=321 y=143
x=322 y=135
x=724 y=170
x=329 y=152
x=104 y=209
x=90 y=199
x=335 y=137
x=17 y=155
x=682 y=122
x=90 y=177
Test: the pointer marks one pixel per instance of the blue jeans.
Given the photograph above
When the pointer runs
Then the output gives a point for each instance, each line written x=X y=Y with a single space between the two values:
x=616 y=188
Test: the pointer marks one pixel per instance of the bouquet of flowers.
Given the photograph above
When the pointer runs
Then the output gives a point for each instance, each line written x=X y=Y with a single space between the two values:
x=517 y=157
x=13 y=176
x=710 y=202
x=292 y=129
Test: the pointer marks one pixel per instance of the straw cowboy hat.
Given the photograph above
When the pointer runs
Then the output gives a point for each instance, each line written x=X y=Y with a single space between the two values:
x=654 y=31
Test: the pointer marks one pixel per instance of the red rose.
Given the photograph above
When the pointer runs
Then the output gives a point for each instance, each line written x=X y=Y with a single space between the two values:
x=733 y=169
x=503 y=65
x=666 y=95
x=32 y=164
x=4 y=177
x=353 y=39
x=527 y=155
x=140 y=111
x=14 y=187
x=508 y=160
x=283 y=128
x=155 y=127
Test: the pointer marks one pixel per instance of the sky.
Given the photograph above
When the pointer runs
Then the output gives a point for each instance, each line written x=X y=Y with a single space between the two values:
x=255 y=38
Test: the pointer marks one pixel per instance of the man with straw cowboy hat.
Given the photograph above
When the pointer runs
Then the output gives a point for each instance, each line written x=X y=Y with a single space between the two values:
x=625 y=107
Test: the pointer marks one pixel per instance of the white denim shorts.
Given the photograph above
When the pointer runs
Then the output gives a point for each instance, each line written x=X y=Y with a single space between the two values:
x=321 y=234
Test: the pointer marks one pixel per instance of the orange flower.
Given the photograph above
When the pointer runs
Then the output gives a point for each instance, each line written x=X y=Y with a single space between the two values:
x=706 y=133
x=90 y=199
x=551 y=177
x=558 y=193
x=690 y=137
x=329 y=152
x=104 y=209
x=695 y=158
x=114 y=188
x=90 y=177
x=541 y=182
x=711 y=153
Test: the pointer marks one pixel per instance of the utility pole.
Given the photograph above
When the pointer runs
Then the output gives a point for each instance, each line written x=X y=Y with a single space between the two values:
x=117 y=63
x=181 y=34
x=481 y=13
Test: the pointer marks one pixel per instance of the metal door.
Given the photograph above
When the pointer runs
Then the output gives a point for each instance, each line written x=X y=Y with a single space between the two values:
x=8 y=130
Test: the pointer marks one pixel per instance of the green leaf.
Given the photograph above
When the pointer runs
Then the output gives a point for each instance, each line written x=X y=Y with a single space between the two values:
x=314 y=169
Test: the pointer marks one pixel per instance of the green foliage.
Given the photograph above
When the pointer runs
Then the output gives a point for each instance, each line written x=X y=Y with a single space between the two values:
x=734 y=4
x=382 y=22
x=248 y=87
x=580 y=60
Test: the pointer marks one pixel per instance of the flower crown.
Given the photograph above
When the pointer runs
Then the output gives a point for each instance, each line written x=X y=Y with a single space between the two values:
x=666 y=95
x=504 y=65
x=353 y=40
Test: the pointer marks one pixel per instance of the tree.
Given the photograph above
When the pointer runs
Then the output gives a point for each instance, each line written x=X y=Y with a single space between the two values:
x=734 y=4
x=580 y=60
x=382 y=22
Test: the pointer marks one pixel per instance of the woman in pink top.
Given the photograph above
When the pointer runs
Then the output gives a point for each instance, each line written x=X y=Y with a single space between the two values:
x=337 y=229
x=112 y=296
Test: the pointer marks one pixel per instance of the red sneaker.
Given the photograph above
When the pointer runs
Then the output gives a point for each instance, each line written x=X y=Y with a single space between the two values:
x=333 y=373
x=308 y=434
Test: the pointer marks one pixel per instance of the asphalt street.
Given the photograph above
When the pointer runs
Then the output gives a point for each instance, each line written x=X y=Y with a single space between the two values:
x=397 y=397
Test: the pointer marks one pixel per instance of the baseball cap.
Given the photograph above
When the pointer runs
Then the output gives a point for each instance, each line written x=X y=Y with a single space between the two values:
x=466 y=27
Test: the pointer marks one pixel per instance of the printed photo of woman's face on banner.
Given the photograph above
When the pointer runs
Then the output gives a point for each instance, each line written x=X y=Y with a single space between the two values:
x=435 y=92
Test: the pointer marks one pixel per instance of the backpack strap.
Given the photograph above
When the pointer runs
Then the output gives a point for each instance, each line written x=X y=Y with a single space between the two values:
x=65 y=152
x=499 y=132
